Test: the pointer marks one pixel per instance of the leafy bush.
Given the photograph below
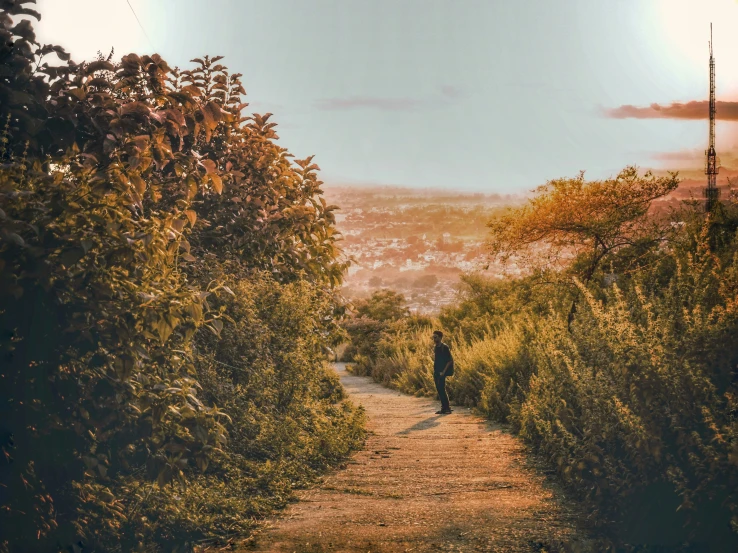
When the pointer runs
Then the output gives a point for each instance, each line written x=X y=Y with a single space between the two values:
x=496 y=371
x=641 y=394
x=370 y=318
x=632 y=396
x=166 y=298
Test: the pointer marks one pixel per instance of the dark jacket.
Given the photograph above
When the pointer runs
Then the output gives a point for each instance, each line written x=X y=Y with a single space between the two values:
x=442 y=355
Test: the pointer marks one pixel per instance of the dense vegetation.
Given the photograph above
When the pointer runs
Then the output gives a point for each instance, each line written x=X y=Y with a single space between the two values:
x=167 y=295
x=616 y=357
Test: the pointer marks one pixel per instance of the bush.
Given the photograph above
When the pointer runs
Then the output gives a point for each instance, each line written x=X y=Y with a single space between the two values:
x=640 y=396
x=167 y=281
x=632 y=395
x=495 y=372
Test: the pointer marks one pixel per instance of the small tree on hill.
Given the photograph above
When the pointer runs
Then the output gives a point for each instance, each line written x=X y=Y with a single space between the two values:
x=384 y=305
x=592 y=222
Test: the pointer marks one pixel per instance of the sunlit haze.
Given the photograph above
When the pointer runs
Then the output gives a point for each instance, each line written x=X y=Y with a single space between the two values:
x=472 y=95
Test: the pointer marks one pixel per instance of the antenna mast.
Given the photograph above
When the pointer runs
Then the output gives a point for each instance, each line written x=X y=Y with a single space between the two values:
x=712 y=164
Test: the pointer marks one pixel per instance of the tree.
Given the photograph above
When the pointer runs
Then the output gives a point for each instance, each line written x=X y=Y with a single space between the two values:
x=383 y=305
x=131 y=195
x=588 y=221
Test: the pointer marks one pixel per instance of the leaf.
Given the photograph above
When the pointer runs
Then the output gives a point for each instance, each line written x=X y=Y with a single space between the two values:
x=134 y=108
x=202 y=462
x=142 y=352
x=214 y=111
x=209 y=165
x=178 y=225
x=60 y=52
x=164 y=329
x=181 y=97
x=191 y=215
x=99 y=82
x=216 y=326
x=15 y=239
x=78 y=93
x=138 y=183
x=192 y=187
x=24 y=29
x=70 y=257
x=192 y=90
x=100 y=65
x=217 y=183
x=175 y=115
x=165 y=476
x=195 y=311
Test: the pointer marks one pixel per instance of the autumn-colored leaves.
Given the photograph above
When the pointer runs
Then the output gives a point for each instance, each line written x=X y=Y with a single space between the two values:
x=576 y=217
x=631 y=397
x=133 y=198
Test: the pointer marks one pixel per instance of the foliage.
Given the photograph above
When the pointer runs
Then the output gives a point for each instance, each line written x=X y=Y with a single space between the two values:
x=641 y=394
x=384 y=305
x=586 y=220
x=134 y=199
x=287 y=424
x=485 y=306
x=370 y=318
x=632 y=397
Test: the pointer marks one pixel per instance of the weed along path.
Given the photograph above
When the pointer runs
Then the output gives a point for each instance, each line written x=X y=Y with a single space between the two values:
x=424 y=482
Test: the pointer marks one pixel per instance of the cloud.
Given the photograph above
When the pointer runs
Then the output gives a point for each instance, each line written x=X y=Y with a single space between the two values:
x=726 y=111
x=448 y=94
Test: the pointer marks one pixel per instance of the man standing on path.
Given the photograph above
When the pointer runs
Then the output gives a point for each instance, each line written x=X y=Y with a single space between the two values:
x=442 y=364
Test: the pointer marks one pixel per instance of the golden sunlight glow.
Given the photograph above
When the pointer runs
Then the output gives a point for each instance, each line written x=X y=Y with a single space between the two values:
x=685 y=25
x=85 y=26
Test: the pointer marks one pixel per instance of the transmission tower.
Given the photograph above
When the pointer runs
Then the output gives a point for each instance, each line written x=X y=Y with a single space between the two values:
x=712 y=193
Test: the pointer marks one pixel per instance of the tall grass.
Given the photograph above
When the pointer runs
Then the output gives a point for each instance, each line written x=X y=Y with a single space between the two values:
x=634 y=403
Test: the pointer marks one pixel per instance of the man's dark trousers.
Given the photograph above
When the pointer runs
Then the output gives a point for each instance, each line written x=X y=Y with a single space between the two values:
x=440 y=381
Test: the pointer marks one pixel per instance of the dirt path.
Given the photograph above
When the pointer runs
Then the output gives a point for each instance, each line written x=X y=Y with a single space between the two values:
x=424 y=482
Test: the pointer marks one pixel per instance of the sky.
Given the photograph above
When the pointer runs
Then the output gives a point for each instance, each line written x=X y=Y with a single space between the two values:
x=475 y=95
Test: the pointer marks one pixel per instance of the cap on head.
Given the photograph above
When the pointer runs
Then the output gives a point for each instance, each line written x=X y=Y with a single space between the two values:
x=438 y=333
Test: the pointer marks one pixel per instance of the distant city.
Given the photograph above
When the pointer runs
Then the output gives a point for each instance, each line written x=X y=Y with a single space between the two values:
x=415 y=242
x=419 y=242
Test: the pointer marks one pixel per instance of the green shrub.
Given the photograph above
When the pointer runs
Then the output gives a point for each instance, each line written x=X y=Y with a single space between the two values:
x=641 y=394
x=495 y=372
x=167 y=282
x=628 y=385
